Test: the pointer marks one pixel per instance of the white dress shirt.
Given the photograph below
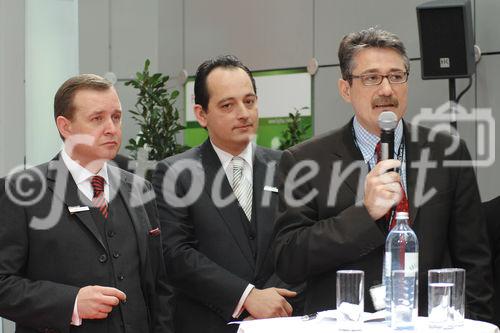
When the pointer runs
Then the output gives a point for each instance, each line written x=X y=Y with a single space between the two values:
x=225 y=159
x=83 y=177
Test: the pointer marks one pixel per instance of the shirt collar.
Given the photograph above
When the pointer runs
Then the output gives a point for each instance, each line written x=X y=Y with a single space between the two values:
x=225 y=157
x=79 y=173
x=367 y=141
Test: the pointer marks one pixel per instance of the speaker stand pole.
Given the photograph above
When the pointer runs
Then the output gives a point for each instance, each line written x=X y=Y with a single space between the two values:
x=453 y=104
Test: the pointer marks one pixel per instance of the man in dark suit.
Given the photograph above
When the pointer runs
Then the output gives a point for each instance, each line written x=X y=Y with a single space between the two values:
x=80 y=241
x=335 y=196
x=217 y=204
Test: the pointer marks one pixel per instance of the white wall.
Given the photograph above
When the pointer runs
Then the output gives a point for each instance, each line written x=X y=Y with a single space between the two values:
x=51 y=58
x=11 y=85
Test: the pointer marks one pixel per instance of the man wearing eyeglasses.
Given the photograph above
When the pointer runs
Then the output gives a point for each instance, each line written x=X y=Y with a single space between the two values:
x=337 y=200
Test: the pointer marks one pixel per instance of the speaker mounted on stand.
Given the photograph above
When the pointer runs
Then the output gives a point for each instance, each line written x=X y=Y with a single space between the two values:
x=446 y=43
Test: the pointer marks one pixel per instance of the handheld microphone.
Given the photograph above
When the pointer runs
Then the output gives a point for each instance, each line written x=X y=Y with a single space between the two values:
x=387 y=121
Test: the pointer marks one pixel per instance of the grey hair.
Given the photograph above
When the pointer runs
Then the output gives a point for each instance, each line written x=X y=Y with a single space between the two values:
x=354 y=42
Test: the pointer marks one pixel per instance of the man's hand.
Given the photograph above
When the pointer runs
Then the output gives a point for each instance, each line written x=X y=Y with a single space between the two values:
x=96 y=302
x=382 y=189
x=268 y=303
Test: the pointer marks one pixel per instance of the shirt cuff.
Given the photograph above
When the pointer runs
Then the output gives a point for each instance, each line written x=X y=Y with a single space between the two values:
x=75 y=318
x=239 y=308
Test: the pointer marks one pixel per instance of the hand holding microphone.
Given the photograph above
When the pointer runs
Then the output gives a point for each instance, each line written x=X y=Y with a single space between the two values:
x=382 y=184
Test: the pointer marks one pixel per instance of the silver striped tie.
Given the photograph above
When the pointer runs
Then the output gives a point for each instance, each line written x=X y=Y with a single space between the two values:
x=241 y=187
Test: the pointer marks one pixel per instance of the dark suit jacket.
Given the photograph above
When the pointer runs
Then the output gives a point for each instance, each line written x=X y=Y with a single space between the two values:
x=207 y=252
x=492 y=213
x=2 y=186
x=48 y=254
x=316 y=239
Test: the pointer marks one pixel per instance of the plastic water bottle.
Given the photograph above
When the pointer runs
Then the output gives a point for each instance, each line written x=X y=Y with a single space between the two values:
x=401 y=254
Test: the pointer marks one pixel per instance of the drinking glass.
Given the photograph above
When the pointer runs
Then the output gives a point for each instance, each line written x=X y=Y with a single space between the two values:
x=446 y=297
x=350 y=299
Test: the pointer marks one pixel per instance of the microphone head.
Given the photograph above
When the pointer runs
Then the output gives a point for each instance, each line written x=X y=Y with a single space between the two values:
x=387 y=121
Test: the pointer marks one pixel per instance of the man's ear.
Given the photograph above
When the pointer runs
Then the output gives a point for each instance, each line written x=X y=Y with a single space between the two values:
x=64 y=126
x=201 y=115
x=345 y=90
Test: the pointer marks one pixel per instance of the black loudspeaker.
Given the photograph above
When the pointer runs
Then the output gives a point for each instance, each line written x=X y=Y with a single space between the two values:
x=446 y=39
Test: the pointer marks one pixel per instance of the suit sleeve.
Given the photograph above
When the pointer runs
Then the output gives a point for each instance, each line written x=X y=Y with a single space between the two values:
x=36 y=304
x=491 y=211
x=302 y=239
x=469 y=242
x=161 y=296
x=189 y=270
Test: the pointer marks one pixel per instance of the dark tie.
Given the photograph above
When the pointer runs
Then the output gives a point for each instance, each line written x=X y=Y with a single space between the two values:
x=402 y=206
x=98 y=200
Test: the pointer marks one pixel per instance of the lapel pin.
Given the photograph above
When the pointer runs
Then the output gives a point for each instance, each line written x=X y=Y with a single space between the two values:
x=76 y=209
x=154 y=232
x=271 y=189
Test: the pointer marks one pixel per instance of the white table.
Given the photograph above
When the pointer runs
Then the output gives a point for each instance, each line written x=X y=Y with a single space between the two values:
x=325 y=323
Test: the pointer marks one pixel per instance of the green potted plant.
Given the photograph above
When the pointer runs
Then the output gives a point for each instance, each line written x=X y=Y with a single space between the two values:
x=295 y=131
x=156 y=115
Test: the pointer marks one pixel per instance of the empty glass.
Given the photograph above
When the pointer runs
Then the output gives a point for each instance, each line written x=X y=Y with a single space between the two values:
x=350 y=299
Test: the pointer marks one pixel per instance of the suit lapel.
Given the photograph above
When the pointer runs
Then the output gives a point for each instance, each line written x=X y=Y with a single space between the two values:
x=348 y=153
x=121 y=185
x=414 y=147
x=230 y=213
x=57 y=176
x=265 y=213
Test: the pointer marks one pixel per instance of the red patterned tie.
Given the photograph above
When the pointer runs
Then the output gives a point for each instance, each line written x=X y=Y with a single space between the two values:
x=99 y=201
x=402 y=206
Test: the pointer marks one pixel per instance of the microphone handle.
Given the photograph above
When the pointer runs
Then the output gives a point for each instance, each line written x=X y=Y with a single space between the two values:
x=387 y=144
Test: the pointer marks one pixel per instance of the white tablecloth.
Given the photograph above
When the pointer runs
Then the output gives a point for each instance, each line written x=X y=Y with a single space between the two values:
x=325 y=323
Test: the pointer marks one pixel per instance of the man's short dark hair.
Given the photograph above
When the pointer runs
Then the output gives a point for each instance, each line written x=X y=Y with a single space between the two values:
x=201 y=95
x=63 y=100
x=354 y=42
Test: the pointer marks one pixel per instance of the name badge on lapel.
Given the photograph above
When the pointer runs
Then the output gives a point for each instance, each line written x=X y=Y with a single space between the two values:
x=76 y=209
x=271 y=189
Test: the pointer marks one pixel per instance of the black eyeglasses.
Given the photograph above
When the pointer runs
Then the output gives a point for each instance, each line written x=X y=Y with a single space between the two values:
x=374 y=79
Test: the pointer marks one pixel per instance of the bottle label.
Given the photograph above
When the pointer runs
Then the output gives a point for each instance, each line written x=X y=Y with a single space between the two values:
x=387 y=265
x=410 y=263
